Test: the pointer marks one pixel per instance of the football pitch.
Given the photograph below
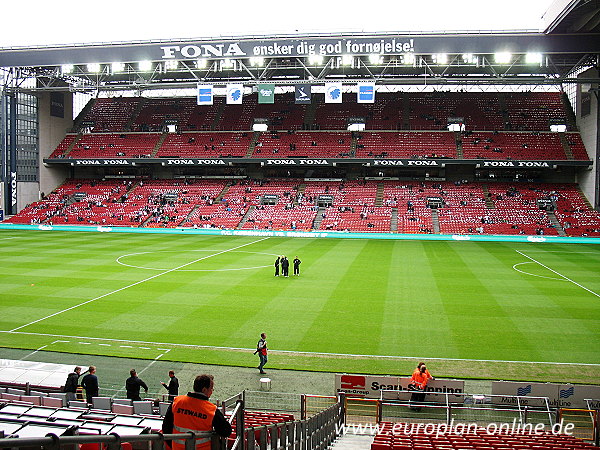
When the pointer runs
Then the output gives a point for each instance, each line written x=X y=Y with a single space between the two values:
x=527 y=311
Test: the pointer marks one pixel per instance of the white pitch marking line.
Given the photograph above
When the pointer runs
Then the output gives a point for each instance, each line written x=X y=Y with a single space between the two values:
x=145 y=368
x=136 y=283
x=34 y=352
x=557 y=273
x=211 y=347
x=533 y=274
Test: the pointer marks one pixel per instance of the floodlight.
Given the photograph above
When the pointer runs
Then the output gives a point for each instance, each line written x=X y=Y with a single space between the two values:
x=227 y=63
x=440 y=58
x=145 y=66
x=171 y=64
x=67 y=68
x=117 y=67
x=347 y=60
x=257 y=61
x=533 y=58
x=469 y=58
x=408 y=58
x=93 y=67
x=201 y=63
x=503 y=57
x=315 y=59
x=375 y=58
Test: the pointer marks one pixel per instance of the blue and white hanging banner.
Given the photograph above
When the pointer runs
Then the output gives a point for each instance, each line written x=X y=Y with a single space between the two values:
x=333 y=92
x=235 y=92
x=366 y=93
x=303 y=94
x=205 y=94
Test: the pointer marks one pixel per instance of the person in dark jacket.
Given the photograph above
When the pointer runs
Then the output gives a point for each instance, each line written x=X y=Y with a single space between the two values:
x=72 y=383
x=277 y=266
x=90 y=384
x=285 y=266
x=297 y=263
x=133 y=385
x=173 y=386
x=194 y=412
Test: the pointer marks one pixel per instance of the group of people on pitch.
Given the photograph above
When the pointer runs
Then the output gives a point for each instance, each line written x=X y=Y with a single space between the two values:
x=285 y=266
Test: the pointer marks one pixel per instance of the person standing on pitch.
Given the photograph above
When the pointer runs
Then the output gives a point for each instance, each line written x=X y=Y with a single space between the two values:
x=173 y=386
x=277 y=266
x=285 y=266
x=297 y=266
x=261 y=349
x=90 y=384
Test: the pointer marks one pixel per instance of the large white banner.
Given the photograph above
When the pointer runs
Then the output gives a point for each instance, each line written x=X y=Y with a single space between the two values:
x=371 y=386
x=333 y=92
x=235 y=92
x=559 y=395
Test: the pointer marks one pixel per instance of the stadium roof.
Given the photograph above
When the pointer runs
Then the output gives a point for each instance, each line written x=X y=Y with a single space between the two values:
x=570 y=43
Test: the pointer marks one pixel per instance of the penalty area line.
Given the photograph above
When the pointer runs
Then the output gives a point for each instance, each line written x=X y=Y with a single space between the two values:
x=295 y=352
x=136 y=283
x=557 y=273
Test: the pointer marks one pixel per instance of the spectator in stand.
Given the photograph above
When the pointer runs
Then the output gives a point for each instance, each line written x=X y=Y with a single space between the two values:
x=133 y=384
x=90 y=384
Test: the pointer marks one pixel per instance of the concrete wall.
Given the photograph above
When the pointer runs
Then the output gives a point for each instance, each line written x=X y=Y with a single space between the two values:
x=27 y=192
x=588 y=127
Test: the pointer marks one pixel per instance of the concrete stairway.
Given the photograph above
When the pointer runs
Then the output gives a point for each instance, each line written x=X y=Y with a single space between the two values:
x=351 y=441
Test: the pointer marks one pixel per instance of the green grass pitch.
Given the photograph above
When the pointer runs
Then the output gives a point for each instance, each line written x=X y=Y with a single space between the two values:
x=483 y=310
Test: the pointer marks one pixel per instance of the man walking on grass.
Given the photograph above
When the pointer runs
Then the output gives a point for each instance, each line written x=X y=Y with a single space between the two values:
x=261 y=349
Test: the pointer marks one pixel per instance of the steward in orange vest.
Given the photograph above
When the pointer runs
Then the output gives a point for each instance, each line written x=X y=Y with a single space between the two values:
x=194 y=412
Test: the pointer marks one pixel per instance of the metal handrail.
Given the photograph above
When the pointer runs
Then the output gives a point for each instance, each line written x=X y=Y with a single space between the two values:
x=113 y=440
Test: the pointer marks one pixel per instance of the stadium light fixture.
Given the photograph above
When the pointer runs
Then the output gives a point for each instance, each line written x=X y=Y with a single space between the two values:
x=408 y=58
x=469 y=58
x=67 y=68
x=201 y=63
x=117 y=67
x=502 y=57
x=534 y=58
x=375 y=58
x=315 y=59
x=440 y=58
x=171 y=64
x=347 y=60
x=257 y=61
x=93 y=67
x=145 y=66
